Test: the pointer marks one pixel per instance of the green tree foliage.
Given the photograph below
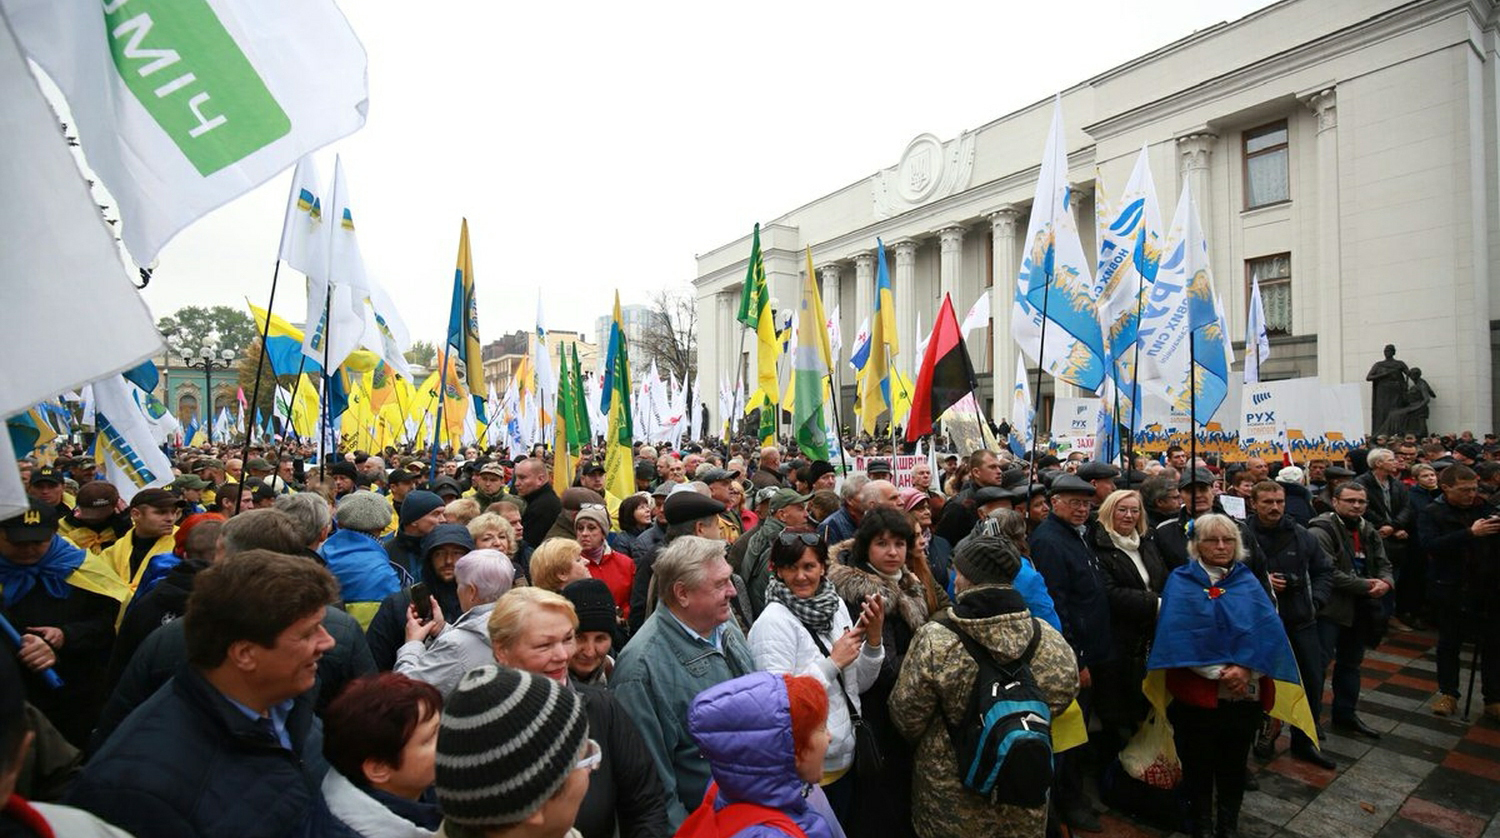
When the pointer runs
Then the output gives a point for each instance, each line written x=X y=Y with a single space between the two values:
x=422 y=354
x=192 y=323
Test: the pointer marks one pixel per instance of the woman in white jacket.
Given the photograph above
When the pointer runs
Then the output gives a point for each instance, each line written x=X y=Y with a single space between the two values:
x=805 y=629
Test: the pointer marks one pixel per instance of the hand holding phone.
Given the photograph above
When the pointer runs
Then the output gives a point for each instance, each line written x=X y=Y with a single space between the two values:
x=421 y=599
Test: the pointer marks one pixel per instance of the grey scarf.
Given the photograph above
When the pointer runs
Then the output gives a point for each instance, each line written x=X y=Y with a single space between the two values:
x=815 y=612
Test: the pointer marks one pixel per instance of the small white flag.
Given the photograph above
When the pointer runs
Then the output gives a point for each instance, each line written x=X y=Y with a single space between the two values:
x=978 y=316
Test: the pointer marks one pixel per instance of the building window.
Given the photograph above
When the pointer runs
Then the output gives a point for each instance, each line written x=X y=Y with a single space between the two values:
x=1275 y=276
x=1266 y=178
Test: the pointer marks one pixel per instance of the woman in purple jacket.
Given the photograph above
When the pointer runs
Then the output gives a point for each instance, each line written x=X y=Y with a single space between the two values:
x=764 y=736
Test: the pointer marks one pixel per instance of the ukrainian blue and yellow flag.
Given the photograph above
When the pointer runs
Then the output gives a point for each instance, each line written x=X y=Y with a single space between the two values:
x=1202 y=623
x=884 y=344
x=463 y=324
x=619 y=440
x=284 y=347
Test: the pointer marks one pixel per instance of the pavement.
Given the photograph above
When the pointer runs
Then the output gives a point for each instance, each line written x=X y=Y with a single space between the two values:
x=1426 y=776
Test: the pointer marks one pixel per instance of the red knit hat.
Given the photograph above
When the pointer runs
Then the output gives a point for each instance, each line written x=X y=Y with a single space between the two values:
x=180 y=539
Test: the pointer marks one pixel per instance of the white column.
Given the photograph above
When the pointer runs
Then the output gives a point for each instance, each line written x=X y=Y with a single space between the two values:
x=1004 y=268
x=904 y=288
x=829 y=274
x=864 y=289
x=1194 y=154
x=950 y=267
x=1329 y=276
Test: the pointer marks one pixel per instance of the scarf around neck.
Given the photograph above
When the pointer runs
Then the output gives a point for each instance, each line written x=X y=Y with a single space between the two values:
x=1130 y=543
x=52 y=572
x=815 y=612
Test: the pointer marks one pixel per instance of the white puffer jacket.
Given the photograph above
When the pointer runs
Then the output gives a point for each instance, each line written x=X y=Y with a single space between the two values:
x=781 y=644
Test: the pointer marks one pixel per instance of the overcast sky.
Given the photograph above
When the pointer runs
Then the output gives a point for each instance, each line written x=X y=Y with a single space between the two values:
x=597 y=146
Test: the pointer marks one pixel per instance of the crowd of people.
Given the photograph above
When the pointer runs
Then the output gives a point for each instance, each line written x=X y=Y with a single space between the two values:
x=392 y=644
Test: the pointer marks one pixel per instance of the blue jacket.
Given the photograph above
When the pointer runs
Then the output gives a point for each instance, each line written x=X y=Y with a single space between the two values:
x=839 y=526
x=1071 y=571
x=656 y=677
x=188 y=763
x=360 y=563
x=744 y=729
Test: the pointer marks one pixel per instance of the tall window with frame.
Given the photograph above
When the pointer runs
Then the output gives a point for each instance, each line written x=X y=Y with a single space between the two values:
x=1266 y=158
x=1275 y=276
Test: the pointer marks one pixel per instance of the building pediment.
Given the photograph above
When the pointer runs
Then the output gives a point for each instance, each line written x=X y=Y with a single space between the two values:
x=929 y=170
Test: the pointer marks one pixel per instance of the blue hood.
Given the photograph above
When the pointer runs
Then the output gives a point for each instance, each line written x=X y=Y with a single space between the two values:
x=744 y=729
x=361 y=565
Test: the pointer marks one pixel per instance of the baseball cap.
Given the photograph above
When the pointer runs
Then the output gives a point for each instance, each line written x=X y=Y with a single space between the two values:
x=38 y=523
x=45 y=474
x=158 y=498
x=787 y=497
x=96 y=501
x=714 y=475
x=492 y=468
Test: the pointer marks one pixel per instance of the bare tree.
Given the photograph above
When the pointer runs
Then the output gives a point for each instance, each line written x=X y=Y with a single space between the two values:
x=670 y=338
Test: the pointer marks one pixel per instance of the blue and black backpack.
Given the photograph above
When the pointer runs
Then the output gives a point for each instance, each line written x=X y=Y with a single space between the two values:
x=1004 y=740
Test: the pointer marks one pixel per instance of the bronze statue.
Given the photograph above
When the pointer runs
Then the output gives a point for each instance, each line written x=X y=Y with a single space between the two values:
x=1388 y=386
x=1411 y=416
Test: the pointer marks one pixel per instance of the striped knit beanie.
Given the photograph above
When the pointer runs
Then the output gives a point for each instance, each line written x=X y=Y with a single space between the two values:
x=507 y=742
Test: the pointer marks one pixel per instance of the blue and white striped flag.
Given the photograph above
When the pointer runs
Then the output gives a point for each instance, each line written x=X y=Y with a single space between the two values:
x=1129 y=253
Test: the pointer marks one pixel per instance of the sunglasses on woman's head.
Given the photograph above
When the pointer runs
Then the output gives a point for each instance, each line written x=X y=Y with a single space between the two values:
x=811 y=539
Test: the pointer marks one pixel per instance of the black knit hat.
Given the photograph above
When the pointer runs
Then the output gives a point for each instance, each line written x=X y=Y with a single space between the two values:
x=508 y=741
x=418 y=504
x=988 y=560
x=594 y=603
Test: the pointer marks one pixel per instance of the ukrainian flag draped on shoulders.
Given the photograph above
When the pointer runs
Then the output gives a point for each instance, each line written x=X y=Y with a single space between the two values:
x=63 y=565
x=1232 y=621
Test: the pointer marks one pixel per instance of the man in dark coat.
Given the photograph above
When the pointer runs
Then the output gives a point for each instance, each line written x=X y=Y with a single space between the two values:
x=231 y=745
x=1389 y=509
x=420 y=512
x=534 y=485
x=1301 y=574
x=959 y=516
x=1070 y=569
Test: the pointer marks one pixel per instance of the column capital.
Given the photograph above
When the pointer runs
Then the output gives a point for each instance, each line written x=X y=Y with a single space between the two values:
x=1195 y=149
x=829 y=269
x=1003 y=220
x=951 y=237
x=1324 y=103
x=907 y=247
x=864 y=260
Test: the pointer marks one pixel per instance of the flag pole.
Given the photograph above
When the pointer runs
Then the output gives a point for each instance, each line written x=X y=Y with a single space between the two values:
x=1192 y=401
x=265 y=335
x=327 y=380
x=838 y=424
x=437 y=423
x=1135 y=375
x=1036 y=395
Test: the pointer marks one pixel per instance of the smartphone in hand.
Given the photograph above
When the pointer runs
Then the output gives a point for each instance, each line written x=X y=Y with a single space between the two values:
x=421 y=599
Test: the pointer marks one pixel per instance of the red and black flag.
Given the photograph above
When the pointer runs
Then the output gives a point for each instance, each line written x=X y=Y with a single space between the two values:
x=946 y=376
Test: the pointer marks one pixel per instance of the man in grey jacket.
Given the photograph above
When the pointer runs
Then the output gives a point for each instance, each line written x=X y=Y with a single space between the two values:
x=689 y=643
x=1361 y=573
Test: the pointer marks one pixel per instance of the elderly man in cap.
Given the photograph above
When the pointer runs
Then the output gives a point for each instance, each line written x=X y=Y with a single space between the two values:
x=65 y=602
x=259 y=468
x=821 y=475
x=489 y=487
x=344 y=476
x=879 y=469
x=99 y=519
x=420 y=512
x=355 y=556
x=153 y=523
x=645 y=475
x=46 y=486
x=1102 y=476
x=1199 y=495
x=685 y=512
x=719 y=480
x=1069 y=567
x=190 y=488
x=689 y=643
x=788 y=513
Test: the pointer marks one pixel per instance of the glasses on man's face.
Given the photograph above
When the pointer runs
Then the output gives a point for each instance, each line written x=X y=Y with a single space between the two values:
x=592 y=756
x=1073 y=502
x=811 y=539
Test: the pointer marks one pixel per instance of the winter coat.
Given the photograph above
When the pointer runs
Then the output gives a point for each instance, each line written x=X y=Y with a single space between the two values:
x=543 y=507
x=188 y=763
x=1132 y=625
x=61 y=820
x=1068 y=564
x=405 y=554
x=616 y=570
x=363 y=569
x=782 y=644
x=656 y=677
x=744 y=729
x=647 y=546
x=164 y=651
x=1459 y=559
x=353 y=812
x=118 y=555
x=935 y=686
x=463 y=645
x=1292 y=551
x=1298 y=502
x=149 y=612
x=755 y=567
x=1349 y=583
x=839 y=526
x=625 y=793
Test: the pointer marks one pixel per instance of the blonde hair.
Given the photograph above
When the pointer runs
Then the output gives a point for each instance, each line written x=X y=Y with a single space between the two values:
x=1107 y=509
x=494 y=521
x=550 y=561
x=1217 y=523
x=462 y=511
x=508 y=619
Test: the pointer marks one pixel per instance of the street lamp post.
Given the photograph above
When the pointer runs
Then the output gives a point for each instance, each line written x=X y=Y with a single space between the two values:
x=209 y=357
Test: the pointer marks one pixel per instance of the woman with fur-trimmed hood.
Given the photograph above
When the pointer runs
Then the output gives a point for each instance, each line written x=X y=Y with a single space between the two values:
x=880 y=561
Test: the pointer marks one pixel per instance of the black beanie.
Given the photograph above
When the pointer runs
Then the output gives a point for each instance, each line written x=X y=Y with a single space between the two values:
x=594 y=603
x=416 y=504
x=507 y=742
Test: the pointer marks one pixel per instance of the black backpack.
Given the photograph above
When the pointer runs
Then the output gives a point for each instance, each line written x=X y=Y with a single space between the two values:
x=1004 y=740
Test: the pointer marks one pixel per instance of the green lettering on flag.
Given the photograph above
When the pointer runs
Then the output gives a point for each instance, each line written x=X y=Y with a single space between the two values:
x=188 y=73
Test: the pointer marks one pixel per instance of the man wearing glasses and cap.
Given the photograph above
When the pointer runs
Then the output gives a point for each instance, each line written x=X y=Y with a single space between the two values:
x=788 y=513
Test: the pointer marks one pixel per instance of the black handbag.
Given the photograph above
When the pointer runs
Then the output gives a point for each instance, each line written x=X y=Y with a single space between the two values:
x=868 y=761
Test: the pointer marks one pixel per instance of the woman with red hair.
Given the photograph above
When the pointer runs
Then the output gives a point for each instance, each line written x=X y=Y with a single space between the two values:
x=380 y=739
x=764 y=736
